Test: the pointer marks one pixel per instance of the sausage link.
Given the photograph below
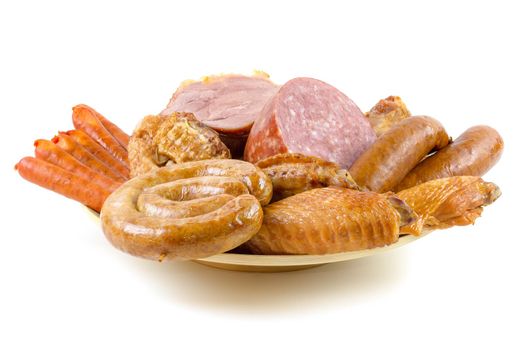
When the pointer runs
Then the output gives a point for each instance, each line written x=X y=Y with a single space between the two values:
x=382 y=166
x=62 y=181
x=189 y=210
x=98 y=151
x=84 y=120
x=118 y=134
x=66 y=143
x=473 y=153
x=51 y=153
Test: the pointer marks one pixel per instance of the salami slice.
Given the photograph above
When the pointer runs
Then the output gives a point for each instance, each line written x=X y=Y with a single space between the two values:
x=227 y=103
x=310 y=117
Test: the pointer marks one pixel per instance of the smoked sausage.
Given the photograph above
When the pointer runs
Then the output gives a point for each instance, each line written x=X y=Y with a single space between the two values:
x=397 y=151
x=473 y=153
x=62 y=181
x=113 y=129
x=50 y=152
x=98 y=151
x=187 y=211
x=66 y=143
x=85 y=120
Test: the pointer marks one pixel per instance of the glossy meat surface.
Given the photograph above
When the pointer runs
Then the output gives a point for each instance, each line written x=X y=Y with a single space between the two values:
x=473 y=153
x=177 y=138
x=330 y=220
x=190 y=210
x=451 y=201
x=383 y=165
x=293 y=173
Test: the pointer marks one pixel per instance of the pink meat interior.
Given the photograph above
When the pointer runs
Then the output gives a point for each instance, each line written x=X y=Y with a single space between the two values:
x=317 y=119
x=229 y=103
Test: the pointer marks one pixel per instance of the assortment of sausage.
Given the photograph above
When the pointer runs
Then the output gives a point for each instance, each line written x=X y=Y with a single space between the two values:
x=318 y=176
x=85 y=164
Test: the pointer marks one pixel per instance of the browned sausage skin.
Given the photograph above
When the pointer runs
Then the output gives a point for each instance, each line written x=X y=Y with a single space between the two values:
x=473 y=153
x=189 y=210
x=62 y=181
x=397 y=151
x=98 y=151
x=113 y=129
x=66 y=143
x=51 y=153
x=85 y=120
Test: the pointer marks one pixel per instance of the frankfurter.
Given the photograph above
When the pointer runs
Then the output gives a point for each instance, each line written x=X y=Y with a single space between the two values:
x=118 y=134
x=62 y=181
x=51 y=153
x=84 y=120
x=98 y=151
x=382 y=166
x=473 y=153
x=66 y=143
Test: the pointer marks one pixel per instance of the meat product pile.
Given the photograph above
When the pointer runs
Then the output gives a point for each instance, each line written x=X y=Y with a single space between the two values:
x=312 y=174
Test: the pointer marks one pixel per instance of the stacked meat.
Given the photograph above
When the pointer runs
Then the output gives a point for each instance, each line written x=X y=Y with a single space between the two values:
x=313 y=174
x=85 y=164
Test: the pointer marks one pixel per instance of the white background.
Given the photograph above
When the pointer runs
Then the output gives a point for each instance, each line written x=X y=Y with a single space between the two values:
x=65 y=286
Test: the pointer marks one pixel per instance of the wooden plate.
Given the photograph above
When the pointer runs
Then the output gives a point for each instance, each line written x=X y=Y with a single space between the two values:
x=281 y=263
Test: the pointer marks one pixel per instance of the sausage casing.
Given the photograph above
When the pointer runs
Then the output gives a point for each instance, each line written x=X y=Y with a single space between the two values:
x=382 y=166
x=473 y=153
x=62 y=181
x=189 y=210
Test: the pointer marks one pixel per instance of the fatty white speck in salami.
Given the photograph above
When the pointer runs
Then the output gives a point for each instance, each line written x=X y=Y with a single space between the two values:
x=310 y=117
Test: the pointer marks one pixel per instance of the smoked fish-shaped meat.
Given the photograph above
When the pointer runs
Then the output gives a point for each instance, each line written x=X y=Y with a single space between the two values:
x=451 y=201
x=330 y=220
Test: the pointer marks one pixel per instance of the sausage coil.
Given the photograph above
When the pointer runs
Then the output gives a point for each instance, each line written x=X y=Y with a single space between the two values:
x=190 y=210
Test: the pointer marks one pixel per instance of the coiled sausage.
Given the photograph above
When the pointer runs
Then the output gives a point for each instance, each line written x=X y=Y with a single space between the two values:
x=189 y=210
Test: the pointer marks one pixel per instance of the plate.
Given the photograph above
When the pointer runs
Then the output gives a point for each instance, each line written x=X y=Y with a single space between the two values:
x=282 y=263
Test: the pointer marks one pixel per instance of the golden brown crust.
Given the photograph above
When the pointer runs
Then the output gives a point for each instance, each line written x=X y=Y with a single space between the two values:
x=189 y=210
x=450 y=201
x=328 y=220
x=382 y=166
x=177 y=138
x=386 y=113
x=293 y=173
x=472 y=154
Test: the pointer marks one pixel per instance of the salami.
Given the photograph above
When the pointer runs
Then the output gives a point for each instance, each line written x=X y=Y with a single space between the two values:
x=227 y=103
x=310 y=117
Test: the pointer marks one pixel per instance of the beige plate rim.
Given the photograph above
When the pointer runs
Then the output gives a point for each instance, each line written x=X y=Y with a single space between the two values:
x=303 y=260
x=253 y=260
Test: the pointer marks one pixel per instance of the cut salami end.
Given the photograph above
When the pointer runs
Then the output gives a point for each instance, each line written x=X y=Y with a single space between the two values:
x=310 y=117
x=227 y=103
